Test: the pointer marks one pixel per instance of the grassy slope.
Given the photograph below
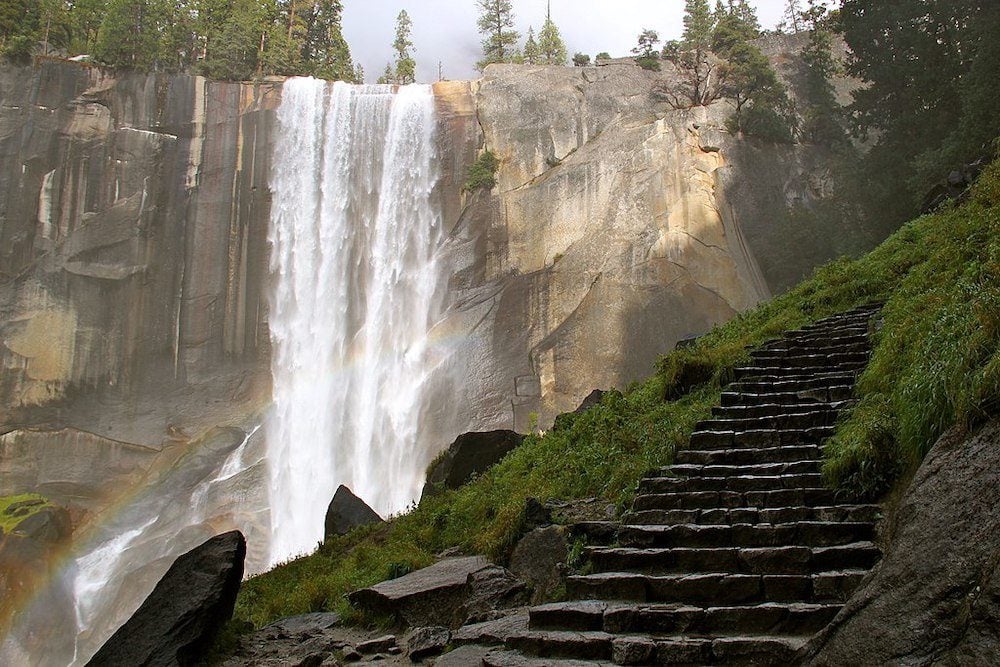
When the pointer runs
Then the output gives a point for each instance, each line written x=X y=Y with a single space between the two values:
x=936 y=363
x=8 y=521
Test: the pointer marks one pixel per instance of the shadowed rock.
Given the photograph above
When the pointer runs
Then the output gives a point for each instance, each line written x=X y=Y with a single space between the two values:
x=935 y=597
x=180 y=618
x=448 y=593
x=347 y=512
x=592 y=399
x=469 y=455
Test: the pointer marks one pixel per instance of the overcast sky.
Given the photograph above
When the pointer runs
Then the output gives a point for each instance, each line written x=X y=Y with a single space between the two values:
x=445 y=30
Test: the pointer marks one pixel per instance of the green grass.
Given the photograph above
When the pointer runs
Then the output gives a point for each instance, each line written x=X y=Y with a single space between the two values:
x=9 y=520
x=935 y=364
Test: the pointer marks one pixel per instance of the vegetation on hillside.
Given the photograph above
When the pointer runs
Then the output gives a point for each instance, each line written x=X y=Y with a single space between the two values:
x=936 y=363
x=15 y=509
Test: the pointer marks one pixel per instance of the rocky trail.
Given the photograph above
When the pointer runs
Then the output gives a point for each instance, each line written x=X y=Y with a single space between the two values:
x=736 y=554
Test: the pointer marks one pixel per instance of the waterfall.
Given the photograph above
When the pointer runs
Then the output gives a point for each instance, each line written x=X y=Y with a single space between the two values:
x=355 y=233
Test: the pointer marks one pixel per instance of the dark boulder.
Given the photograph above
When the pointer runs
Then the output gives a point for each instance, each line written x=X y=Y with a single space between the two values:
x=540 y=560
x=593 y=398
x=427 y=642
x=179 y=620
x=471 y=454
x=935 y=596
x=347 y=512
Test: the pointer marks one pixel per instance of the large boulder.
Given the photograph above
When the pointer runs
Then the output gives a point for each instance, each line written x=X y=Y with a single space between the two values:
x=540 y=560
x=449 y=593
x=347 y=512
x=180 y=618
x=471 y=454
x=935 y=597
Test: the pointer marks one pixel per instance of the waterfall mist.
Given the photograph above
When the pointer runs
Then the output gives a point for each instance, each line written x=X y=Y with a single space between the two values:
x=356 y=233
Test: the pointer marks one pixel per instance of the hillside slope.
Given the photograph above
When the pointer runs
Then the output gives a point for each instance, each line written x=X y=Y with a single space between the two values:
x=936 y=363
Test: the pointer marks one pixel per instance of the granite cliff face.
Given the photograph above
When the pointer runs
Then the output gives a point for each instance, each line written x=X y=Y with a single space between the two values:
x=618 y=226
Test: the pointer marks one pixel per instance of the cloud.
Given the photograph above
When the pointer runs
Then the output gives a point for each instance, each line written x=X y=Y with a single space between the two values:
x=444 y=31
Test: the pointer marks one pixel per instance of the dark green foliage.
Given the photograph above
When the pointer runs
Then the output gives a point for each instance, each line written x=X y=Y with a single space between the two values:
x=482 y=173
x=651 y=63
x=496 y=24
x=551 y=48
x=581 y=59
x=405 y=66
x=235 y=53
x=603 y=55
x=130 y=34
x=929 y=103
x=646 y=51
x=531 y=54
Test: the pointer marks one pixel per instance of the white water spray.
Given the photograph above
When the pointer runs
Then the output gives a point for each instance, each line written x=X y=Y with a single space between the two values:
x=355 y=233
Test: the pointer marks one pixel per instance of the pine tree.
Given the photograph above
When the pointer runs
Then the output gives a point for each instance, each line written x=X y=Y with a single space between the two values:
x=698 y=25
x=236 y=53
x=531 y=55
x=129 y=36
x=388 y=75
x=405 y=65
x=792 y=18
x=359 y=74
x=496 y=23
x=550 y=44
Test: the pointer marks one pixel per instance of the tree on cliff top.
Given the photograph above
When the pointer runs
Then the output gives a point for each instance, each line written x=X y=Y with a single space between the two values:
x=129 y=36
x=531 y=54
x=406 y=67
x=550 y=43
x=496 y=23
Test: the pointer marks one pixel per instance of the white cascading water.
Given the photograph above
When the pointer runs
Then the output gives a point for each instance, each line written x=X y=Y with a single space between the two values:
x=355 y=234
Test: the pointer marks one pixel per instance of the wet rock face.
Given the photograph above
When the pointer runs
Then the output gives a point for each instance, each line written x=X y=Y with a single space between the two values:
x=935 y=596
x=133 y=226
x=178 y=621
x=29 y=550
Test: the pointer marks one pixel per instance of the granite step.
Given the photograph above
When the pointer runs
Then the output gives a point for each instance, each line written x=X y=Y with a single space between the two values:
x=814 y=382
x=660 y=485
x=721 y=434
x=812 y=497
x=750 y=455
x=777 y=409
x=784 y=373
x=817 y=416
x=830 y=346
x=807 y=533
x=795 y=361
x=781 y=468
x=794 y=559
x=824 y=396
x=715 y=588
x=753 y=515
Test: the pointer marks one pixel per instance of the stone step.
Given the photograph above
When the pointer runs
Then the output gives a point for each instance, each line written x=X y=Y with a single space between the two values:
x=761 y=650
x=759 y=373
x=850 y=513
x=807 y=533
x=783 y=468
x=811 y=383
x=785 y=347
x=777 y=409
x=818 y=416
x=719 y=434
x=780 y=618
x=714 y=588
x=824 y=396
x=511 y=658
x=562 y=644
x=813 y=497
x=764 y=359
x=749 y=455
x=827 y=336
x=659 y=485
x=758 y=560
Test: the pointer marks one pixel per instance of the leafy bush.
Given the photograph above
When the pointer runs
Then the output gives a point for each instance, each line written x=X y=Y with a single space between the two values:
x=482 y=173
x=651 y=63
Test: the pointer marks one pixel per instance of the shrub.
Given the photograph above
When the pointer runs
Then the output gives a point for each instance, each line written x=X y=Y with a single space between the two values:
x=482 y=173
x=651 y=63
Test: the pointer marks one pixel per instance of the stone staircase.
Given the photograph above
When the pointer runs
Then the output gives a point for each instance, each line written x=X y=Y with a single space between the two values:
x=736 y=554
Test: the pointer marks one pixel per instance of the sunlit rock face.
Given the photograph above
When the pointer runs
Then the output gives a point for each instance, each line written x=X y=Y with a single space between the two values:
x=618 y=226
